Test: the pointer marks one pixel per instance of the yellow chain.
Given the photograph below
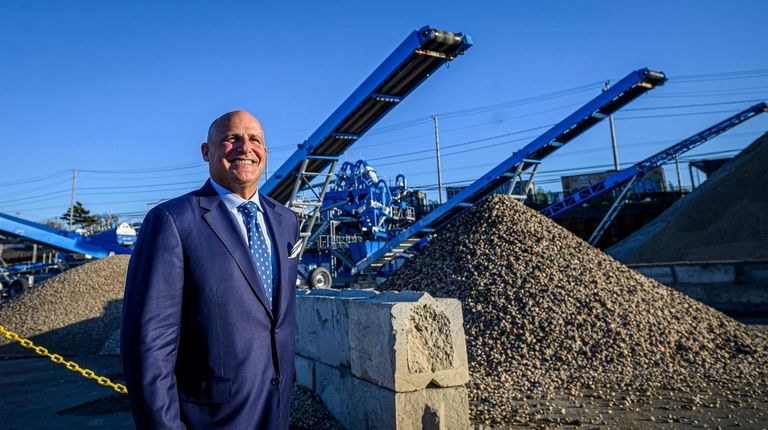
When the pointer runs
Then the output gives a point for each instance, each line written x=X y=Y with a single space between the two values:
x=56 y=358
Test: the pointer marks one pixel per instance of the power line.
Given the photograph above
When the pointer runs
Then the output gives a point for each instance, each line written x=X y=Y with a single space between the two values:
x=34 y=197
x=108 y=193
x=486 y=108
x=670 y=115
x=122 y=187
x=146 y=170
x=469 y=142
x=692 y=105
x=46 y=177
x=752 y=72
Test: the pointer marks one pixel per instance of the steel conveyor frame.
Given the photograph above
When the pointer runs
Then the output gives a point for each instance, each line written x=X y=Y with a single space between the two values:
x=55 y=238
x=614 y=98
x=642 y=167
x=412 y=62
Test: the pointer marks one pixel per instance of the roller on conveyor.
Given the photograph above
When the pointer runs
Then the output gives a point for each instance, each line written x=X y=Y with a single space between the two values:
x=511 y=169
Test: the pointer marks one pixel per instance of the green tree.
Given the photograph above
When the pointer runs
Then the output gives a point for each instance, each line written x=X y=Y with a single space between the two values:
x=80 y=216
x=105 y=221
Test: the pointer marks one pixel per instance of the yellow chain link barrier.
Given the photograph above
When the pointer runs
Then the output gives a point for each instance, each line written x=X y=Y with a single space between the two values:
x=56 y=358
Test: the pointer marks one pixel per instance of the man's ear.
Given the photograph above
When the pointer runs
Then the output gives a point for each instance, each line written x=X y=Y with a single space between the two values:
x=204 y=150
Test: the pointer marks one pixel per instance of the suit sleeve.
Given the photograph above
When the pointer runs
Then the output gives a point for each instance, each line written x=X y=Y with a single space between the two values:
x=151 y=319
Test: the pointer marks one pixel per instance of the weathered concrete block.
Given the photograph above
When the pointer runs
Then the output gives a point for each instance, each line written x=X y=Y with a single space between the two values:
x=305 y=372
x=322 y=324
x=335 y=386
x=407 y=341
x=358 y=404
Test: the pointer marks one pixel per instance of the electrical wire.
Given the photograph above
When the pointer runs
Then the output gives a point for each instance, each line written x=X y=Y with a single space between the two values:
x=691 y=105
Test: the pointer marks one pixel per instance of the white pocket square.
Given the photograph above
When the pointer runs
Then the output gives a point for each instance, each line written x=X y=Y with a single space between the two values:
x=296 y=249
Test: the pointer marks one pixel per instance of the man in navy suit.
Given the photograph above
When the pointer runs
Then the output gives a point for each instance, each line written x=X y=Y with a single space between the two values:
x=207 y=335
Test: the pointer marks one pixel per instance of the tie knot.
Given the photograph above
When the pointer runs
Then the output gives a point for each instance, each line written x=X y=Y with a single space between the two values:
x=248 y=208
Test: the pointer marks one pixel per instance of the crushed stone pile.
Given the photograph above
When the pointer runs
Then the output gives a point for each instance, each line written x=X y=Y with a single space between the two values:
x=73 y=313
x=308 y=412
x=546 y=313
x=723 y=219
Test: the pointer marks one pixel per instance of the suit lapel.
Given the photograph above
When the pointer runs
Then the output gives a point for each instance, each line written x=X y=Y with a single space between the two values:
x=220 y=220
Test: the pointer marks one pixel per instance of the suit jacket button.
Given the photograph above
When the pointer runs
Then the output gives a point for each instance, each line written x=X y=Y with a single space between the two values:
x=275 y=380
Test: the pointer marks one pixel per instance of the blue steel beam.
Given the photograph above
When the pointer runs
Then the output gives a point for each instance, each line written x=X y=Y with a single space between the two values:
x=641 y=168
x=54 y=238
x=609 y=101
x=413 y=61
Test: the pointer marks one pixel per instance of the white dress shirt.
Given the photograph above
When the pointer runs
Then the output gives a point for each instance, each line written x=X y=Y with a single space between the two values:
x=232 y=201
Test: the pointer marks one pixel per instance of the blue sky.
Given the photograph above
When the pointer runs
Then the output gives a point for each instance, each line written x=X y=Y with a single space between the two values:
x=124 y=91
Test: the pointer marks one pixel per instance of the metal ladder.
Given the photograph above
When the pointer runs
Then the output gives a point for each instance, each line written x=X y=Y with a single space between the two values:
x=309 y=210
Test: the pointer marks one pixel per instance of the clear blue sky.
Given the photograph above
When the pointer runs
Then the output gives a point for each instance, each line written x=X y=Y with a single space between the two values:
x=124 y=91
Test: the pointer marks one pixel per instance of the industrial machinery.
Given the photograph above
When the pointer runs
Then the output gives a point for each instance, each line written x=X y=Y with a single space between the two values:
x=359 y=212
x=419 y=56
x=15 y=278
x=624 y=179
x=513 y=168
x=59 y=239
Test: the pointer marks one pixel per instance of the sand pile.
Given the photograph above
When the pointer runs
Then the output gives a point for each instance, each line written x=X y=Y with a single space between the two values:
x=73 y=313
x=723 y=220
x=544 y=312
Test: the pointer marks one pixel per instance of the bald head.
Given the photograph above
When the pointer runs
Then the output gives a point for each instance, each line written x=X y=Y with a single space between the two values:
x=223 y=121
x=235 y=152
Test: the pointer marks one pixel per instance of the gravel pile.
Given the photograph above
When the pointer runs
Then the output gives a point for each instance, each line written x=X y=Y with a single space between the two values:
x=723 y=219
x=73 y=313
x=309 y=413
x=546 y=313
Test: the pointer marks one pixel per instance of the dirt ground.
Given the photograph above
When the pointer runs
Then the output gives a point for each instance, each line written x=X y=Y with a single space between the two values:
x=37 y=394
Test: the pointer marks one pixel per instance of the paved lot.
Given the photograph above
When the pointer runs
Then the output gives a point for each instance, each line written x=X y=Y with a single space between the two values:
x=37 y=394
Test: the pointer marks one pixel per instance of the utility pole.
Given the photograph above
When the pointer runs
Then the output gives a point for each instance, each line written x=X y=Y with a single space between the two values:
x=613 y=135
x=72 y=200
x=679 y=178
x=439 y=169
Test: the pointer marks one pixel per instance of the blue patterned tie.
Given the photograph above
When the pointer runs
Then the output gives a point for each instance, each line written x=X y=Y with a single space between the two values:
x=260 y=252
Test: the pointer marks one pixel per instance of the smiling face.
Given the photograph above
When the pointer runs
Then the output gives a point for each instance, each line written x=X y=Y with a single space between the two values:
x=235 y=152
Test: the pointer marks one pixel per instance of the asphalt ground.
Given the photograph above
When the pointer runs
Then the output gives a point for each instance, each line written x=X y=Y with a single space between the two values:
x=37 y=394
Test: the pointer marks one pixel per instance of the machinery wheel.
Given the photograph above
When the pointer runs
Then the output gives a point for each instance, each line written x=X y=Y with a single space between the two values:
x=17 y=287
x=320 y=278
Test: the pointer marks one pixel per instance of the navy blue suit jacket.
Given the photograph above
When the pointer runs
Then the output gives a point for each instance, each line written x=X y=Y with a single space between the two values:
x=201 y=347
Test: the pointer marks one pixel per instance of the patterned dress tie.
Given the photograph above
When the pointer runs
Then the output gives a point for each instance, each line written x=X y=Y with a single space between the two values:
x=257 y=244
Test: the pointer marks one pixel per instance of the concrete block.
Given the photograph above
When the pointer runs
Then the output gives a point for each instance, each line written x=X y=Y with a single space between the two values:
x=358 y=404
x=408 y=341
x=710 y=273
x=335 y=387
x=305 y=372
x=322 y=331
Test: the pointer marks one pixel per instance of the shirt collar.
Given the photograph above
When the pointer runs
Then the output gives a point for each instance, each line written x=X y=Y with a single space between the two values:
x=232 y=200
